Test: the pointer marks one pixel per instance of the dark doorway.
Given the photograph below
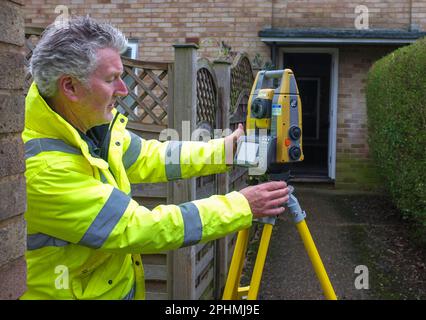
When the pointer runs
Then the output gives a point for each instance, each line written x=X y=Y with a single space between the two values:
x=312 y=71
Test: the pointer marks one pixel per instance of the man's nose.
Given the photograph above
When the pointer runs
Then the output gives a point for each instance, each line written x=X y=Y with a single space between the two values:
x=121 y=88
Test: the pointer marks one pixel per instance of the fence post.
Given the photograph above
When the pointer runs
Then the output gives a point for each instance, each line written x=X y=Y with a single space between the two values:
x=183 y=120
x=222 y=69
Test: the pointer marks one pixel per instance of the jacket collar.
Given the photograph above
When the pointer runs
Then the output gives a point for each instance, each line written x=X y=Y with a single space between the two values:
x=40 y=118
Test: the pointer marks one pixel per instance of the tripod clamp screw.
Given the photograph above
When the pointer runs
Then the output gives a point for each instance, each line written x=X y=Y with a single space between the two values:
x=294 y=207
x=266 y=220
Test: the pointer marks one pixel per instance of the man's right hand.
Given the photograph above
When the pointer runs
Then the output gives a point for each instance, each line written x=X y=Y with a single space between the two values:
x=267 y=199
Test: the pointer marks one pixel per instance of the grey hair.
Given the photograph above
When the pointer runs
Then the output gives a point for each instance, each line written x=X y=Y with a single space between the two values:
x=70 y=49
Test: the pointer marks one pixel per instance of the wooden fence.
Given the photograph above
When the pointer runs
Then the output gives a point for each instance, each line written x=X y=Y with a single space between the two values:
x=202 y=96
x=206 y=95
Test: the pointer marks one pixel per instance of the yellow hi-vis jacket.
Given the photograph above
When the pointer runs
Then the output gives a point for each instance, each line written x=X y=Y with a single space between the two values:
x=85 y=233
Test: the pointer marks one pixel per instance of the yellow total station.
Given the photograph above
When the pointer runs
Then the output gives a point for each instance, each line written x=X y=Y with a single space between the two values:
x=275 y=106
x=274 y=139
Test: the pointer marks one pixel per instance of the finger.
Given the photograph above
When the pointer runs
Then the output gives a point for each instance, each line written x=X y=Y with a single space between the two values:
x=274 y=185
x=278 y=202
x=273 y=211
x=279 y=193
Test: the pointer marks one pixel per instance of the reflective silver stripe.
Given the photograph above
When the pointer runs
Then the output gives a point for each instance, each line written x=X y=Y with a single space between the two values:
x=192 y=224
x=132 y=153
x=131 y=294
x=40 y=240
x=106 y=220
x=35 y=146
x=173 y=151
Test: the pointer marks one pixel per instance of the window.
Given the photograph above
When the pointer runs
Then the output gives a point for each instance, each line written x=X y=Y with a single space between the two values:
x=132 y=50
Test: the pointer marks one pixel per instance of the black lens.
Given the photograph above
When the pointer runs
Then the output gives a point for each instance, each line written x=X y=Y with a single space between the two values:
x=256 y=108
x=261 y=108
x=294 y=133
x=294 y=153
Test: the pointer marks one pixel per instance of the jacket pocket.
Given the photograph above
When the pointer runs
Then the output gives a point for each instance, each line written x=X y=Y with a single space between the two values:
x=83 y=275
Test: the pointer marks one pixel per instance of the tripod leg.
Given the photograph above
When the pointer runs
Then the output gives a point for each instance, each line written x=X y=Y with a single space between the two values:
x=233 y=281
x=316 y=260
x=260 y=262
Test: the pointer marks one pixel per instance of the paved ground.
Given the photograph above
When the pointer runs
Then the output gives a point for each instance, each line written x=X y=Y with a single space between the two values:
x=349 y=230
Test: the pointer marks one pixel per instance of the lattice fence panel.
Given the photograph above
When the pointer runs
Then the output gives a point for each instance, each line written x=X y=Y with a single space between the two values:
x=241 y=81
x=206 y=99
x=147 y=101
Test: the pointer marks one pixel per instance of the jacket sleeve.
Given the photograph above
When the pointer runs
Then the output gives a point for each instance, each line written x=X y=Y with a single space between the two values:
x=155 y=161
x=65 y=205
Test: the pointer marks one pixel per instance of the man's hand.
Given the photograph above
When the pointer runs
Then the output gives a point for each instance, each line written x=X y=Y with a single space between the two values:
x=232 y=140
x=267 y=199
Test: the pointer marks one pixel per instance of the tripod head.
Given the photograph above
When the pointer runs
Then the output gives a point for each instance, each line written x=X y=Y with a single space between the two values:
x=274 y=125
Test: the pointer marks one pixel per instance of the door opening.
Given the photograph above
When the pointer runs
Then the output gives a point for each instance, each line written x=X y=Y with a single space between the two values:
x=312 y=71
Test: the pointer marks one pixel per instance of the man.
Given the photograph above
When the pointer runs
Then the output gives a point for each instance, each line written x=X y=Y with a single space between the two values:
x=85 y=233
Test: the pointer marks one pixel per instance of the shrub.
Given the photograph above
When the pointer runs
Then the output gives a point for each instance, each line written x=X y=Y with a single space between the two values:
x=396 y=109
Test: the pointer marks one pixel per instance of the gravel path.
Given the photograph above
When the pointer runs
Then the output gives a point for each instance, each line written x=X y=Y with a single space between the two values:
x=349 y=230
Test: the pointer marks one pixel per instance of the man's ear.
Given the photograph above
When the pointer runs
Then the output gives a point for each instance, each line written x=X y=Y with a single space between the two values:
x=67 y=86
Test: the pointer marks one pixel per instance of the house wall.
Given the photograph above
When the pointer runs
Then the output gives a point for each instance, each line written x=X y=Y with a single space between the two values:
x=354 y=167
x=12 y=165
x=157 y=25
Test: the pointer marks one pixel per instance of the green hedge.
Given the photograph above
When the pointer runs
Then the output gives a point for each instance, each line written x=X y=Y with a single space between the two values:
x=396 y=109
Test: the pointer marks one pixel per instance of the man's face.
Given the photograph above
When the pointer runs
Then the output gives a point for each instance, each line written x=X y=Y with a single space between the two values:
x=105 y=84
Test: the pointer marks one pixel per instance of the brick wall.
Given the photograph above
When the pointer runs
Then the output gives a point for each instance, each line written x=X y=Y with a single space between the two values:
x=12 y=165
x=353 y=163
x=390 y=14
x=159 y=24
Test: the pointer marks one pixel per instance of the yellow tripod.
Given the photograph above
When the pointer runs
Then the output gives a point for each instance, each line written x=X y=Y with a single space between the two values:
x=232 y=290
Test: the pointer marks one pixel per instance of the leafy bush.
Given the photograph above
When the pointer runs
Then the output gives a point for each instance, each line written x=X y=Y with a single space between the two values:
x=396 y=109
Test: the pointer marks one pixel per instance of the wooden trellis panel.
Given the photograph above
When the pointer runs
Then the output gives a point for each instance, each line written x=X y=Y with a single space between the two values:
x=207 y=100
x=241 y=81
x=147 y=82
